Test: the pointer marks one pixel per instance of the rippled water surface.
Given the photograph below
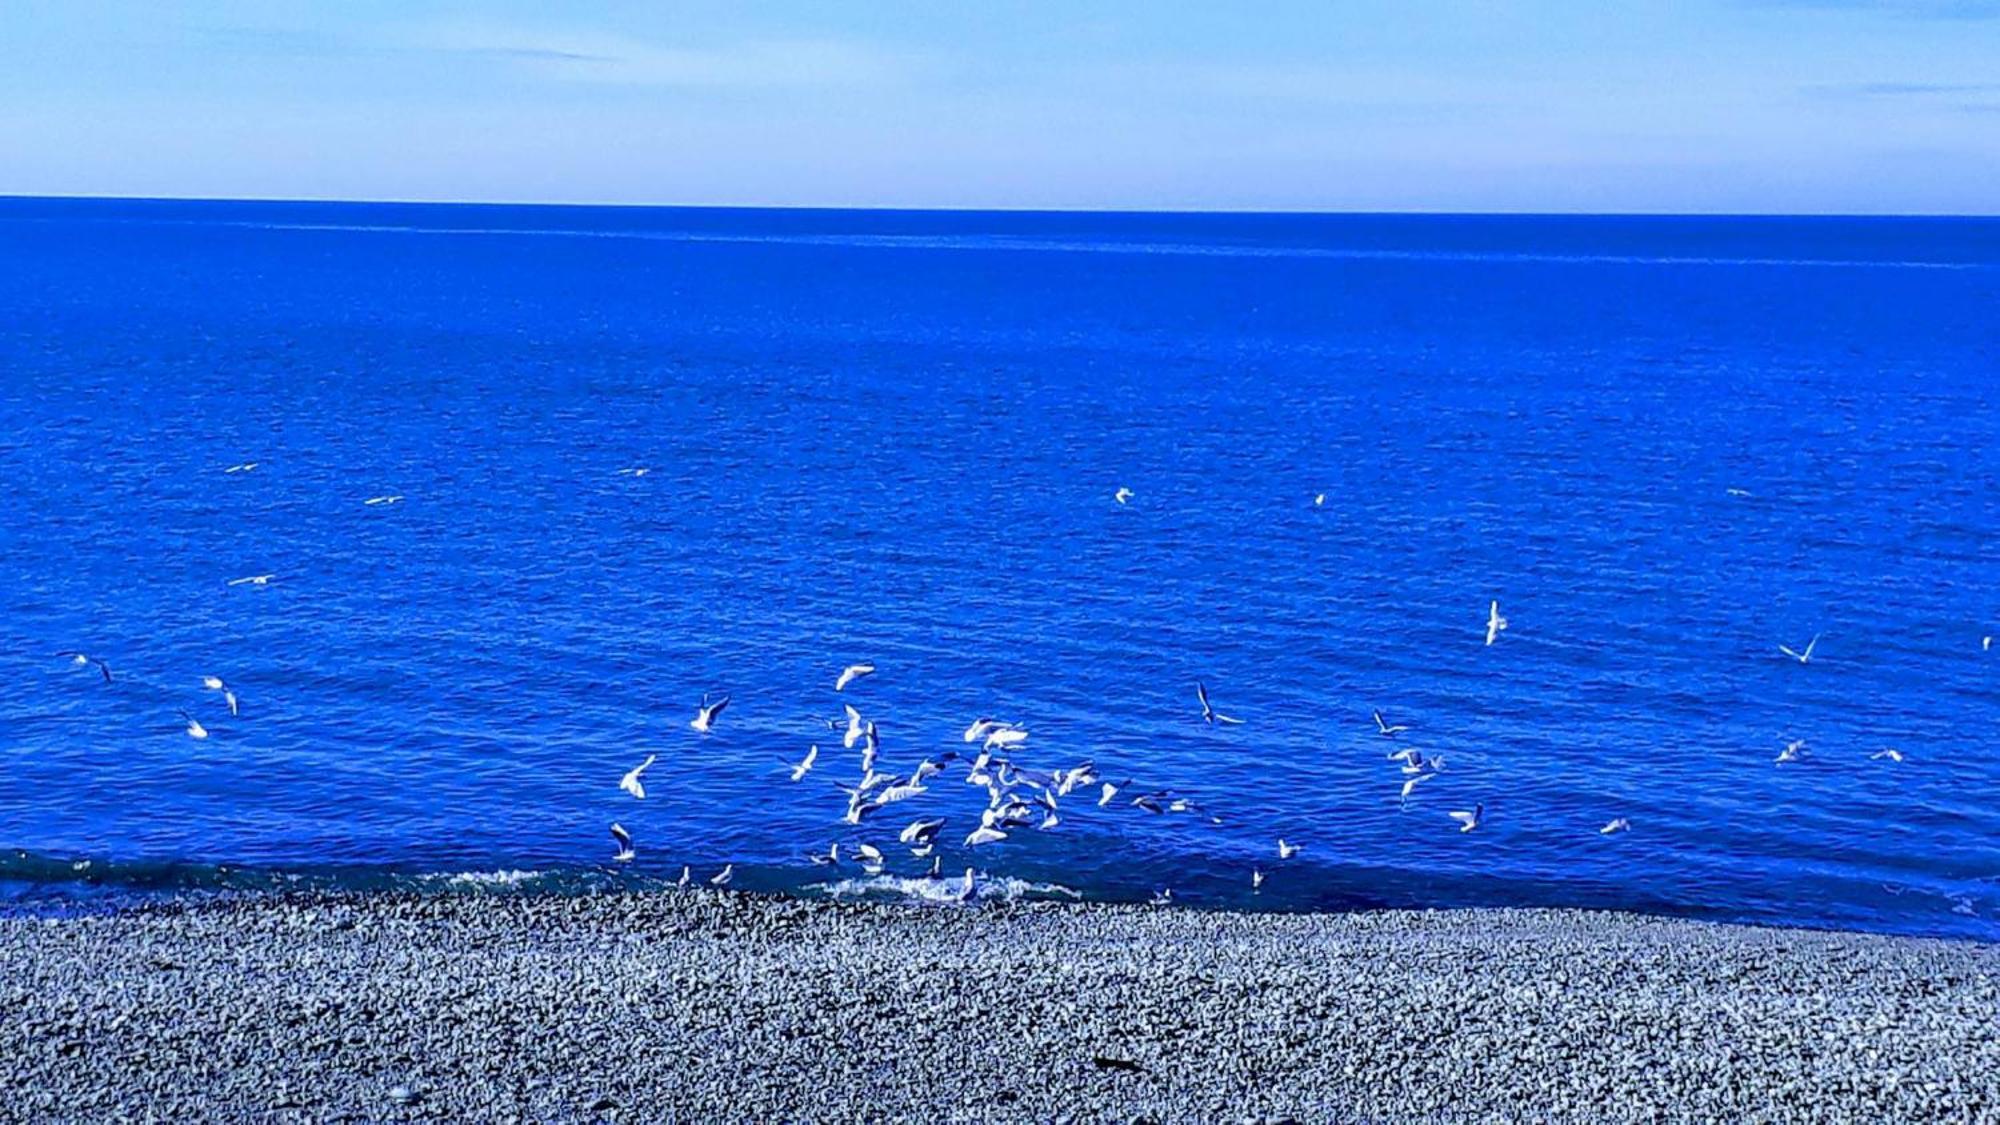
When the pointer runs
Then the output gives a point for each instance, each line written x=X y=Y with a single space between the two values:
x=1664 y=445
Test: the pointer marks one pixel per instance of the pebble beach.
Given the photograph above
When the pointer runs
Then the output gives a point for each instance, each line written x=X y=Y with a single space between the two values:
x=713 y=1006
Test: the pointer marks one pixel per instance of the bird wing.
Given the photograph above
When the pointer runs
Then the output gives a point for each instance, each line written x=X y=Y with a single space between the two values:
x=1463 y=817
x=1220 y=718
x=1201 y=692
x=104 y=668
x=1787 y=650
x=714 y=709
x=1809 y=647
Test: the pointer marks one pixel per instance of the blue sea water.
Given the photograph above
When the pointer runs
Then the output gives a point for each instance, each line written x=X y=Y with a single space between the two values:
x=1664 y=445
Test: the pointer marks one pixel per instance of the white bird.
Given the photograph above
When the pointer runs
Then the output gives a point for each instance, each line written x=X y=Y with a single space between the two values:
x=1407 y=754
x=1985 y=644
x=1385 y=729
x=999 y=738
x=852 y=673
x=194 y=729
x=1794 y=751
x=1287 y=851
x=630 y=783
x=635 y=471
x=723 y=876
x=214 y=683
x=704 y=718
x=921 y=833
x=899 y=792
x=1122 y=495
x=1892 y=754
x=1162 y=898
x=965 y=889
x=1256 y=879
x=625 y=852
x=1411 y=784
x=687 y=876
x=980 y=728
x=1319 y=500
x=243 y=468
x=855 y=728
x=870 y=857
x=984 y=834
x=1111 y=789
x=82 y=661
x=1208 y=713
x=831 y=857
x=1802 y=657
x=1618 y=825
x=253 y=580
x=374 y=501
x=1494 y=622
x=1467 y=821
x=804 y=767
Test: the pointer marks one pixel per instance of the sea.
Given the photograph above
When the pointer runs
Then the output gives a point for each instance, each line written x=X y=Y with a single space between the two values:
x=1054 y=469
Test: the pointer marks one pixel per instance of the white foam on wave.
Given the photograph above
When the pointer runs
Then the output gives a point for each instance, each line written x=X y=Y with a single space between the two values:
x=483 y=878
x=943 y=891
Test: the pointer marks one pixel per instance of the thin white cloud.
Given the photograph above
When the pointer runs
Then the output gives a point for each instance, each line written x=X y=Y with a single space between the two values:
x=623 y=60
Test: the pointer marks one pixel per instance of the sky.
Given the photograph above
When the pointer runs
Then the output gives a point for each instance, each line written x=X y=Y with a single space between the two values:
x=1789 y=106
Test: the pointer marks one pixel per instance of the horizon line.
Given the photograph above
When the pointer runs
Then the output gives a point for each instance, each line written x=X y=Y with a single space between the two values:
x=1013 y=210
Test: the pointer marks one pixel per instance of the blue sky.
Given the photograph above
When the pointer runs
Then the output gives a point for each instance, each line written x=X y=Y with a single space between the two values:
x=1699 y=105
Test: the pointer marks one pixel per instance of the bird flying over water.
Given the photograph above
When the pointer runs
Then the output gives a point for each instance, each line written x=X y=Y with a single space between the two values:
x=1287 y=851
x=1256 y=879
x=1892 y=754
x=1122 y=495
x=377 y=501
x=1411 y=784
x=1319 y=500
x=984 y=834
x=1385 y=729
x=852 y=673
x=214 y=683
x=723 y=876
x=625 y=852
x=1467 y=821
x=921 y=833
x=253 y=580
x=855 y=727
x=82 y=661
x=1802 y=657
x=1495 y=623
x=630 y=783
x=704 y=718
x=1619 y=824
x=194 y=728
x=1794 y=751
x=634 y=471
x=1210 y=714
x=243 y=468
x=804 y=767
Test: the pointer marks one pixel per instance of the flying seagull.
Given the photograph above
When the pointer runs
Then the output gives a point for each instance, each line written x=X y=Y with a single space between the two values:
x=634 y=471
x=630 y=783
x=625 y=852
x=1892 y=754
x=194 y=728
x=1618 y=825
x=855 y=727
x=852 y=673
x=1802 y=657
x=1287 y=851
x=831 y=857
x=1256 y=879
x=376 y=501
x=1208 y=713
x=1794 y=751
x=704 y=718
x=243 y=468
x=1494 y=622
x=921 y=833
x=984 y=834
x=1122 y=495
x=804 y=767
x=1385 y=729
x=723 y=876
x=82 y=661
x=1319 y=500
x=214 y=683
x=1467 y=821
x=1411 y=784
x=1986 y=644
x=253 y=580
x=870 y=857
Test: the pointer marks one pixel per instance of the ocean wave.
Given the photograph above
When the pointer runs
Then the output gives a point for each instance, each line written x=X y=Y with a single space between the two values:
x=941 y=891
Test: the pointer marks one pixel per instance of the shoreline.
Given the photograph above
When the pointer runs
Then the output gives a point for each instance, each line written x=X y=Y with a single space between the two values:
x=719 y=1006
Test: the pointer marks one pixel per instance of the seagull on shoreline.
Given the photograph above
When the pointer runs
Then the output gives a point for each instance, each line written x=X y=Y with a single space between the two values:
x=1794 y=751
x=704 y=718
x=687 y=876
x=214 y=683
x=965 y=889
x=625 y=852
x=630 y=783
x=1619 y=824
x=800 y=771
x=1495 y=623
x=1384 y=729
x=1892 y=754
x=1122 y=495
x=1209 y=714
x=1162 y=898
x=194 y=728
x=723 y=876
x=1286 y=851
x=82 y=661
x=852 y=673
x=252 y=580
x=1802 y=657
x=1467 y=821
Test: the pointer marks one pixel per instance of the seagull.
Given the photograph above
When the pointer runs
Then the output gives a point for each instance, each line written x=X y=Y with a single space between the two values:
x=965 y=888
x=1985 y=644
x=1256 y=879
x=1414 y=762
x=1287 y=851
x=921 y=833
x=1494 y=622
x=984 y=834
x=253 y=580
x=855 y=727
x=1737 y=491
x=831 y=857
x=1319 y=500
x=635 y=471
x=214 y=683
x=687 y=876
x=625 y=852
x=1162 y=898
x=243 y=468
x=194 y=729
x=1111 y=789
x=630 y=783
x=1794 y=751
x=1618 y=825
x=852 y=673
x=1407 y=754
x=82 y=661
x=1208 y=713
x=980 y=728
x=1385 y=729
x=1467 y=821
x=805 y=767
x=373 y=501
x=870 y=857
x=1001 y=737
x=723 y=876
x=1802 y=657
x=1411 y=784
x=1122 y=495
x=1892 y=754
x=704 y=718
